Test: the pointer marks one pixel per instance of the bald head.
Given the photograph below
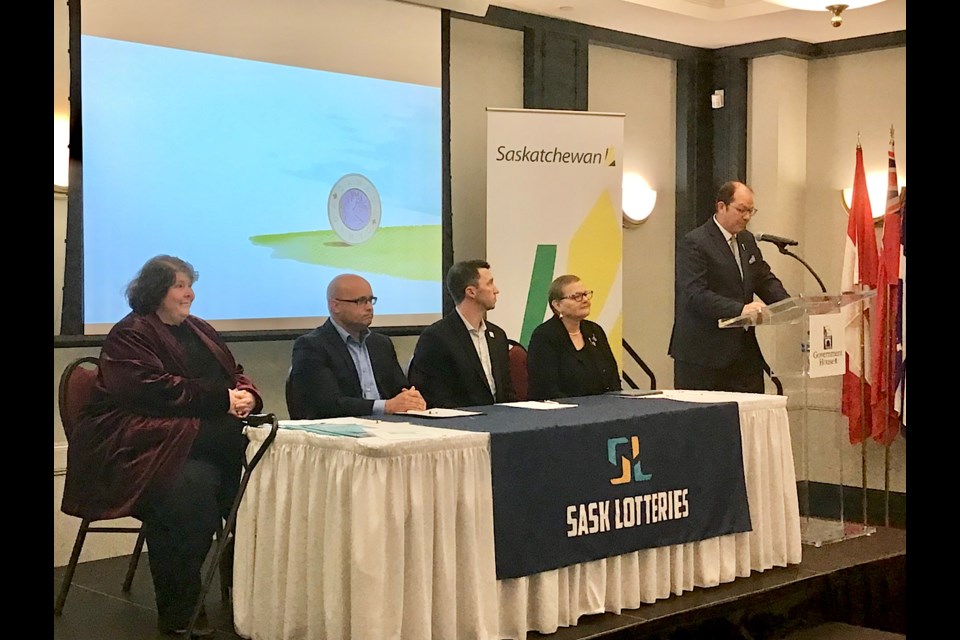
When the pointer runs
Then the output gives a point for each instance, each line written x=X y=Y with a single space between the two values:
x=343 y=292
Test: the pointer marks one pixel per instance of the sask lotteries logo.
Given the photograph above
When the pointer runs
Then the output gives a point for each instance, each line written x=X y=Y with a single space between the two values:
x=630 y=466
x=353 y=208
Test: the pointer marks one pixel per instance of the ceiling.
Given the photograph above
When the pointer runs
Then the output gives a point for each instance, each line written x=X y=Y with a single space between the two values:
x=719 y=23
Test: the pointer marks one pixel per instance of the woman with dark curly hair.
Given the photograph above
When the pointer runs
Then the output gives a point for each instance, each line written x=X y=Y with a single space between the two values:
x=162 y=439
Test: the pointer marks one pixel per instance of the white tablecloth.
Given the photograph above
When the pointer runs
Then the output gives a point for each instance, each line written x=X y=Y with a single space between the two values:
x=392 y=537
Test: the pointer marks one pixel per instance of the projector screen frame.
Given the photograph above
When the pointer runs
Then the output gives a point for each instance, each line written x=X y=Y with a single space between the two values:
x=72 y=316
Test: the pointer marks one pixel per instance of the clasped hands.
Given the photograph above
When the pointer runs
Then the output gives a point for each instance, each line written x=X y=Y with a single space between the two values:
x=754 y=308
x=241 y=403
x=407 y=400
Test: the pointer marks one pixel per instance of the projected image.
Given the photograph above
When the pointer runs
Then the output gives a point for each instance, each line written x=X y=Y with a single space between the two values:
x=269 y=179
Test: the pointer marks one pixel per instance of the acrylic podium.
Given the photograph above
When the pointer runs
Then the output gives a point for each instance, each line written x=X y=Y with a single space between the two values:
x=809 y=360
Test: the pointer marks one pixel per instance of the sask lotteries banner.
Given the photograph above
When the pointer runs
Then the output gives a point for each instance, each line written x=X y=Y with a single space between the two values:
x=553 y=208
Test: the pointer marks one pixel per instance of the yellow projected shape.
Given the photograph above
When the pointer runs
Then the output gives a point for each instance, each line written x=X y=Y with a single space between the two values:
x=595 y=249
x=411 y=252
x=595 y=254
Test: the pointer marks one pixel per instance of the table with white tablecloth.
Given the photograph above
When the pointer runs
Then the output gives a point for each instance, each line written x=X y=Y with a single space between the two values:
x=391 y=536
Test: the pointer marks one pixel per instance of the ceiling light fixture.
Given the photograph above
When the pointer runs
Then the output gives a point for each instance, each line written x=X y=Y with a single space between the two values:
x=836 y=19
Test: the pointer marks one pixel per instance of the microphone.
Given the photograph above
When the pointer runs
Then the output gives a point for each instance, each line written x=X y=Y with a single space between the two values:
x=777 y=240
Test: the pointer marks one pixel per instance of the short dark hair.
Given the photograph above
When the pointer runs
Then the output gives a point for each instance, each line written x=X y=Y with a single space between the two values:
x=148 y=289
x=462 y=275
x=555 y=292
x=728 y=189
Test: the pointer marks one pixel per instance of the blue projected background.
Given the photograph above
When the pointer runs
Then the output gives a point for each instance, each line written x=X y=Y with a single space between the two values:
x=229 y=164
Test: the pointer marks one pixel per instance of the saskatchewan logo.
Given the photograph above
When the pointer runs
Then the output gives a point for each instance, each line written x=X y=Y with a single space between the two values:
x=610 y=158
x=630 y=467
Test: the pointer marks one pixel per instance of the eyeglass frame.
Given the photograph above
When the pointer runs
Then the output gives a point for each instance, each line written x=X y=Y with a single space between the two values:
x=579 y=296
x=752 y=212
x=360 y=301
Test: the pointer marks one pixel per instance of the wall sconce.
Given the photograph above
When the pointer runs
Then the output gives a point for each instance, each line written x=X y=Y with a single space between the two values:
x=876 y=190
x=61 y=153
x=638 y=200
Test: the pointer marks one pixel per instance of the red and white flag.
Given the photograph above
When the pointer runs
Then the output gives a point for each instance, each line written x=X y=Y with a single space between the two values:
x=884 y=342
x=900 y=397
x=859 y=272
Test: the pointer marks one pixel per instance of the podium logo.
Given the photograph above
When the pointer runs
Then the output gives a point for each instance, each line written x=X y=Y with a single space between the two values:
x=610 y=157
x=629 y=464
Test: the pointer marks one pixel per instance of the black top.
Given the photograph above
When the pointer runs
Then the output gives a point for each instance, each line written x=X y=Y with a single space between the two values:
x=447 y=370
x=555 y=369
x=220 y=438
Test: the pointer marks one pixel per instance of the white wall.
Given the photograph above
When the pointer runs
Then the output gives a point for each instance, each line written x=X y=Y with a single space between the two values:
x=644 y=88
x=486 y=70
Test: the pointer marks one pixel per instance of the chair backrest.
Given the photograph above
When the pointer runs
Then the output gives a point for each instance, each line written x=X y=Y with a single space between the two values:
x=292 y=411
x=76 y=390
x=518 y=368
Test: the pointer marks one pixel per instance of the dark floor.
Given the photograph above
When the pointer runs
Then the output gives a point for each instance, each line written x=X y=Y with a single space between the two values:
x=855 y=589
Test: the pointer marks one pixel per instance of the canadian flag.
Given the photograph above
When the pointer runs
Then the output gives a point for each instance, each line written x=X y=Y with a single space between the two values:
x=859 y=273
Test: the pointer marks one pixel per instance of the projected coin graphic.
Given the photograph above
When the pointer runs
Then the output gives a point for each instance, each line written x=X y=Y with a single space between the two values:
x=354 y=208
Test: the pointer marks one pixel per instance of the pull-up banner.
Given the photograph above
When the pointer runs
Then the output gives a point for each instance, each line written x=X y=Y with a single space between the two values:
x=554 y=187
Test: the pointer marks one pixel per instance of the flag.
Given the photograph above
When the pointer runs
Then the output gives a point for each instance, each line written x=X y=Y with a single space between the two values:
x=900 y=398
x=859 y=272
x=885 y=356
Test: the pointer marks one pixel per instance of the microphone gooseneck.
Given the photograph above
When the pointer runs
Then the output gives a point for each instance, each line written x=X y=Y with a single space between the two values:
x=777 y=240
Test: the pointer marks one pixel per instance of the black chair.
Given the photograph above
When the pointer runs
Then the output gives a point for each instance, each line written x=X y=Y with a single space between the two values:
x=76 y=388
x=292 y=411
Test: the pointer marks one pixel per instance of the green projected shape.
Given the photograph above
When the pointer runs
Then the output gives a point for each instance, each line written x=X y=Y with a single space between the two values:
x=404 y=252
x=540 y=279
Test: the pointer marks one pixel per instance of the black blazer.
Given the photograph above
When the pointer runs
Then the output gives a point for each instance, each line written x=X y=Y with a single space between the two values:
x=708 y=288
x=555 y=369
x=447 y=371
x=324 y=381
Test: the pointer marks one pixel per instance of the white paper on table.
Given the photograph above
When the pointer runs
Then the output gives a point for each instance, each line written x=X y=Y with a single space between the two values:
x=439 y=412
x=544 y=405
x=399 y=431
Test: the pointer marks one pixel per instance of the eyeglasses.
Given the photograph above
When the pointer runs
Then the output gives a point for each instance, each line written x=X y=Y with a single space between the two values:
x=744 y=211
x=361 y=301
x=579 y=296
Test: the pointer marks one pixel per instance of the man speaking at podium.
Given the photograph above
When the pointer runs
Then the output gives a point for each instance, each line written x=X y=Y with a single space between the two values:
x=719 y=270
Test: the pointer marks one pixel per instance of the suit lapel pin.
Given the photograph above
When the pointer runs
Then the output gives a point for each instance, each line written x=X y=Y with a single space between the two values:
x=752 y=260
x=489 y=334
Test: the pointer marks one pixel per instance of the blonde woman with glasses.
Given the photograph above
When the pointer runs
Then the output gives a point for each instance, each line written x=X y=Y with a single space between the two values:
x=569 y=355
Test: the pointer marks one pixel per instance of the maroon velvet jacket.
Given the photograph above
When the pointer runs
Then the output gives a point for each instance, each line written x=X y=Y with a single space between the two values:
x=144 y=416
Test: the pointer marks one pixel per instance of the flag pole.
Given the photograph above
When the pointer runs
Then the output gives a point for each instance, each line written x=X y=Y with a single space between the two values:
x=887 y=398
x=864 y=407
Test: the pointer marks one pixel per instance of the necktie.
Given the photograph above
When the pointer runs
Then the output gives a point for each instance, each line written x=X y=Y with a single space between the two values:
x=736 y=254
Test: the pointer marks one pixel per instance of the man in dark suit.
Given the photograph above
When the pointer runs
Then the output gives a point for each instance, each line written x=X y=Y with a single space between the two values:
x=341 y=368
x=719 y=270
x=461 y=360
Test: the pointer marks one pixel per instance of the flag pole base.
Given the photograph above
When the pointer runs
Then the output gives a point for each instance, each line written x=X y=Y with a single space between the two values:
x=817 y=532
